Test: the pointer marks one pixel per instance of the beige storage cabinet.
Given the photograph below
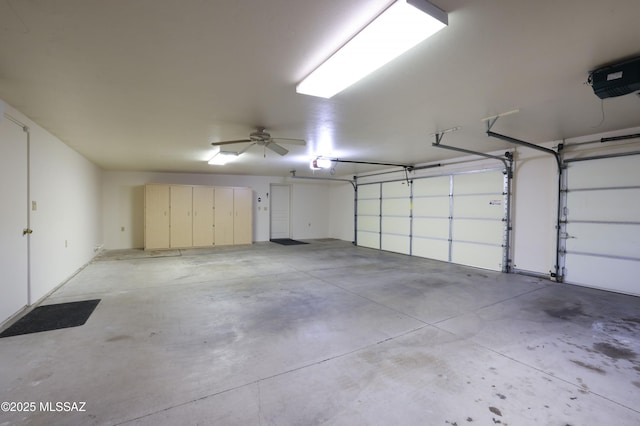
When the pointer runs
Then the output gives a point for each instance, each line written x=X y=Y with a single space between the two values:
x=203 y=219
x=224 y=216
x=156 y=214
x=182 y=216
x=242 y=218
x=181 y=219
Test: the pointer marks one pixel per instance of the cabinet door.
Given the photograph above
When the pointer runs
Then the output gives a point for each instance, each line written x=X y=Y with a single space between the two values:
x=242 y=220
x=181 y=219
x=202 y=216
x=223 y=216
x=156 y=216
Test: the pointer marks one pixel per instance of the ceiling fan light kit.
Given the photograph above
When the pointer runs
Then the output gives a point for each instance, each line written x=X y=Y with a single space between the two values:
x=220 y=158
x=398 y=28
x=261 y=138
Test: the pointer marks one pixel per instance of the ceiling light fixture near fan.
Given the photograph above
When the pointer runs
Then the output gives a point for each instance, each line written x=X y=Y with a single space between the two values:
x=261 y=138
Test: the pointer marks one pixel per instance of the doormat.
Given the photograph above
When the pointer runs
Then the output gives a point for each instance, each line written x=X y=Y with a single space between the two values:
x=287 y=242
x=53 y=317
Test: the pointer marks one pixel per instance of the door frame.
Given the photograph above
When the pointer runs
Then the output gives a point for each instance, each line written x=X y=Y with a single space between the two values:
x=27 y=210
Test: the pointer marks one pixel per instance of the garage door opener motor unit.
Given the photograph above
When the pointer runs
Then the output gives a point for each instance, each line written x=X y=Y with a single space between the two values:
x=616 y=80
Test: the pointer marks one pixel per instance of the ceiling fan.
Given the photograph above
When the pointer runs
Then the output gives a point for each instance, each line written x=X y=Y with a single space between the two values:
x=261 y=138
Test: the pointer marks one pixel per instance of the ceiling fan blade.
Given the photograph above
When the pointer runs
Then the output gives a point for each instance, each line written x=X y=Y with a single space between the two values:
x=230 y=142
x=277 y=148
x=291 y=141
x=246 y=148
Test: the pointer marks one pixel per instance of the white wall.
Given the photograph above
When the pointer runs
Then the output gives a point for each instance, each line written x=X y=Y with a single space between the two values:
x=534 y=212
x=341 y=225
x=123 y=201
x=67 y=190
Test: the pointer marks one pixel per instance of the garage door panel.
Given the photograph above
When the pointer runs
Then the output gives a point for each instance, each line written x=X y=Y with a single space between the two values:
x=604 y=205
x=605 y=273
x=434 y=228
x=395 y=190
x=396 y=243
x=603 y=173
x=608 y=239
x=480 y=206
x=368 y=239
x=478 y=255
x=432 y=186
x=396 y=207
x=603 y=250
x=478 y=183
x=433 y=206
x=431 y=249
x=369 y=191
x=369 y=223
x=396 y=225
x=482 y=231
x=369 y=207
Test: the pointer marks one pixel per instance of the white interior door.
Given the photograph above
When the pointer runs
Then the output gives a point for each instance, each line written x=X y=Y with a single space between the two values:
x=603 y=224
x=14 y=213
x=280 y=211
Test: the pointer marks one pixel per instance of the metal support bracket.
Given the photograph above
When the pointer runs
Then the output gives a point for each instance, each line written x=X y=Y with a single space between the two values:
x=507 y=161
x=352 y=182
x=558 y=273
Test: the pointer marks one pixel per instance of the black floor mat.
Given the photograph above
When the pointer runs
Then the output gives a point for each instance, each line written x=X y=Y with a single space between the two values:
x=287 y=242
x=53 y=317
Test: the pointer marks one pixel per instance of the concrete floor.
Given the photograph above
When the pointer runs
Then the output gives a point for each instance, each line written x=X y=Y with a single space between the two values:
x=326 y=333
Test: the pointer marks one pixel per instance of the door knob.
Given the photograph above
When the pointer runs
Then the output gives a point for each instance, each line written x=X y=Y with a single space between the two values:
x=27 y=231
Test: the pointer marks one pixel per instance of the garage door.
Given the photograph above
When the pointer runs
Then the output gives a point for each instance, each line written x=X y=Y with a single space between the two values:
x=478 y=225
x=395 y=217
x=456 y=218
x=368 y=216
x=602 y=245
x=432 y=217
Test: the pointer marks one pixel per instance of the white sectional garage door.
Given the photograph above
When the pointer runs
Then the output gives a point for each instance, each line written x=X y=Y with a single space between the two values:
x=395 y=218
x=478 y=220
x=368 y=216
x=432 y=217
x=456 y=218
x=602 y=247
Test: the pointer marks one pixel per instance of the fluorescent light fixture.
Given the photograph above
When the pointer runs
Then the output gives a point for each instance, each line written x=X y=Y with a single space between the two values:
x=220 y=158
x=397 y=29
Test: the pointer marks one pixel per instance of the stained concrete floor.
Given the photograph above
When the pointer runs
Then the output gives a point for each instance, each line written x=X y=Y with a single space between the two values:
x=326 y=333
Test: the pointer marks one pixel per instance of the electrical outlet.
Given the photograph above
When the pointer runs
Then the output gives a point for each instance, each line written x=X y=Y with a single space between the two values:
x=34 y=206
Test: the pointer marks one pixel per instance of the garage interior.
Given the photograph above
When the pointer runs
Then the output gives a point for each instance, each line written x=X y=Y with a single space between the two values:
x=468 y=215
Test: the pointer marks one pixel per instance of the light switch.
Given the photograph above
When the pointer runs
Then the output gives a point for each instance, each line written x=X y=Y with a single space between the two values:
x=34 y=206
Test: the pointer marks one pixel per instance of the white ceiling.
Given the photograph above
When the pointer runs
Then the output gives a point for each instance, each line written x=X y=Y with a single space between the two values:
x=148 y=84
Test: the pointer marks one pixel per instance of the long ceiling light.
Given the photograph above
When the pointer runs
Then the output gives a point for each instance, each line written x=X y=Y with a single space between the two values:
x=404 y=24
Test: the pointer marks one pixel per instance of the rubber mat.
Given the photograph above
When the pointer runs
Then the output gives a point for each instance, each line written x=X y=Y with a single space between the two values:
x=287 y=242
x=53 y=317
